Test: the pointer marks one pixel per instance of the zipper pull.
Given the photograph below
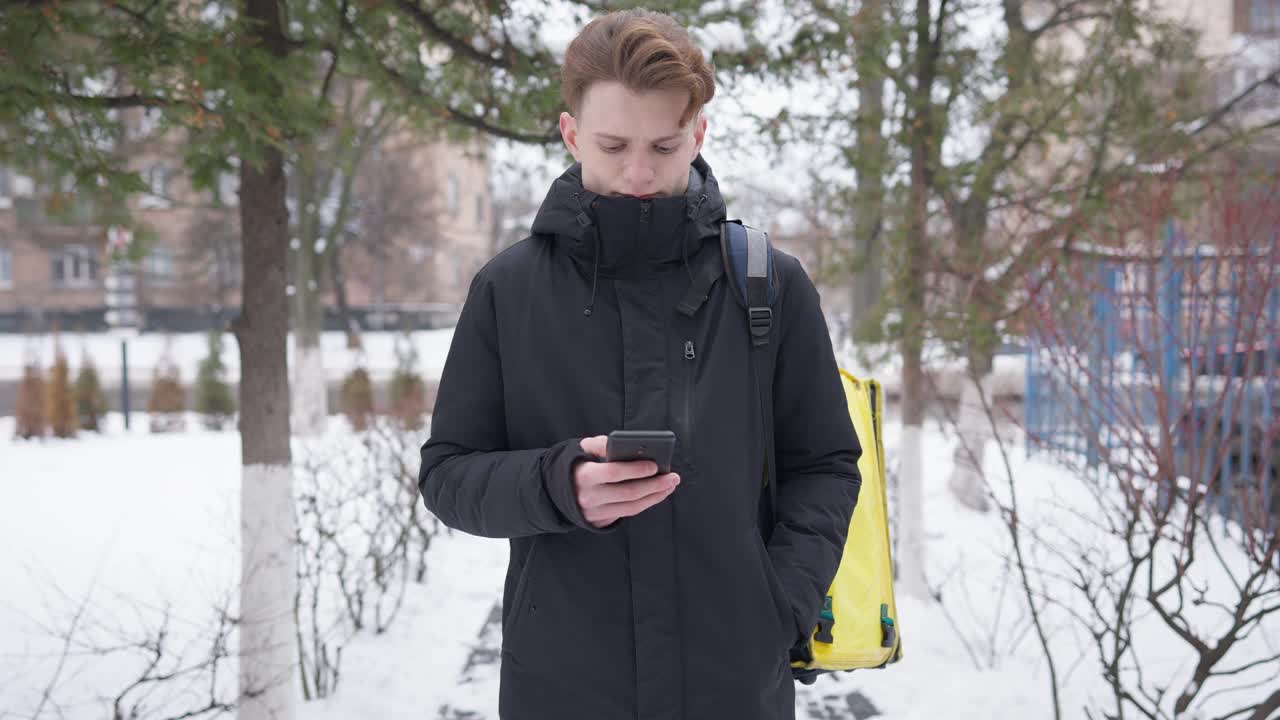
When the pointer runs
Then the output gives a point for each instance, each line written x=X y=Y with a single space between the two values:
x=688 y=350
x=644 y=210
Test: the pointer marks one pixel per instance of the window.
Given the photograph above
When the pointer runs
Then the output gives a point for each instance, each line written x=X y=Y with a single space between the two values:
x=224 y=266
x=74 y=265
x=157 y=180
x=452 y=197
x=6 y=188
x=1261 y=17
x=479 y=210
x=1263 y=96
x=6 y=267
x=160 y=265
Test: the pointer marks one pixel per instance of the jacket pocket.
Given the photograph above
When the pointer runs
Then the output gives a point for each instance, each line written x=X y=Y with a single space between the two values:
x=781 y=605
x=522 y=600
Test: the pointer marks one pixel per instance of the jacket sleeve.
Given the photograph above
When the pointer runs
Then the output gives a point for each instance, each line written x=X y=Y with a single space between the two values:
x=469 y=478
x=817 y=454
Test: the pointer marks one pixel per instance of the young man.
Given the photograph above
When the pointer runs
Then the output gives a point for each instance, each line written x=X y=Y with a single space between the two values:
x=628 y=595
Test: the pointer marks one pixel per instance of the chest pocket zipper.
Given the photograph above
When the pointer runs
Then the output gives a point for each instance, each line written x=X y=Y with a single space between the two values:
x=690 y=358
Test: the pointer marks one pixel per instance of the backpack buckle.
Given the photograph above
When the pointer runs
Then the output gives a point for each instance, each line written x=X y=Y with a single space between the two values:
x=888 y=628
x=761 y=320
x=826 y=621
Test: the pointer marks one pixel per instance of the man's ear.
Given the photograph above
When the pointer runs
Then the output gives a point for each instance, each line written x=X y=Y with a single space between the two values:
x=699 y=133
x=569 y=133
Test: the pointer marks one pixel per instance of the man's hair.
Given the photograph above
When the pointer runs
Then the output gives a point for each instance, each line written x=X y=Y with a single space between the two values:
x=641 y=49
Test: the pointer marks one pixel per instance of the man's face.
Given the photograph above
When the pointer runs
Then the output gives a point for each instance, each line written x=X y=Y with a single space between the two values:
x=631 y=143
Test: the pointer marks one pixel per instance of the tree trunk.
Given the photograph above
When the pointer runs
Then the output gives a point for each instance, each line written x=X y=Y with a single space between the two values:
x=310 y=391
x=968 y=480
x=911 y=555
x=340 y=299
x=310 y=406
x=911 y=562
x=267 y=651
x=868 y=250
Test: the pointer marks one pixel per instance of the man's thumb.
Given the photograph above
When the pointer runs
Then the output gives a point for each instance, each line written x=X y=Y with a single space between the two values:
x=595 y=446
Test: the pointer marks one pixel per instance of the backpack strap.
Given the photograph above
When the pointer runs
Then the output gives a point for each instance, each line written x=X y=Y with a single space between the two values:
x=748 y=259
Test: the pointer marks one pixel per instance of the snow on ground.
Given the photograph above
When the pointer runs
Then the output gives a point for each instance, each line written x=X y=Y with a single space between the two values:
x=1009 y=372
x=188 y=349
x=136 y=522
x=145 y=521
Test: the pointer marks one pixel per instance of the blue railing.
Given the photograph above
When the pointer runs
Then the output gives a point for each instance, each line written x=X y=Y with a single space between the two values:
x=1179 y=349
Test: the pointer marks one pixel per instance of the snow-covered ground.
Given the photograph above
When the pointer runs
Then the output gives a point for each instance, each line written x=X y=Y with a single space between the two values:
x=126 y=524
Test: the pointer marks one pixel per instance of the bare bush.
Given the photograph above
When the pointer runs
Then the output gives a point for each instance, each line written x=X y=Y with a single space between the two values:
x=1159 y=342
x=363 y=538
x=164 y=666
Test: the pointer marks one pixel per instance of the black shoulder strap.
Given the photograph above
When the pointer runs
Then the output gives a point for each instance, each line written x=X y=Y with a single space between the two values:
x=748 y=259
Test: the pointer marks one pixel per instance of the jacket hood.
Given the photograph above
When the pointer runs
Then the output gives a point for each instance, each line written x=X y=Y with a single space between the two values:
x=622 y=236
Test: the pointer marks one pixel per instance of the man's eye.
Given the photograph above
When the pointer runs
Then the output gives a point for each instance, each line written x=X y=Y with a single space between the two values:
x=613 y=149
x=664 y=150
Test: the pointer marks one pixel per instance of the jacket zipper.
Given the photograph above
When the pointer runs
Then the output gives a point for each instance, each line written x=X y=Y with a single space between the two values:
x=690 y=355
x=645 y=206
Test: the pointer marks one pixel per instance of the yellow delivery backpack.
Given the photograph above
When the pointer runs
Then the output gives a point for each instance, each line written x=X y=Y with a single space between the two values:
x=858 y=625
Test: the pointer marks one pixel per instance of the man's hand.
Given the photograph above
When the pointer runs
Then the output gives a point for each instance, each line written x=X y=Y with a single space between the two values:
x=611 y=490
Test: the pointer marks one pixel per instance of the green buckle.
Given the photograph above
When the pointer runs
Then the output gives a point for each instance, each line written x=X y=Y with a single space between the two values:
x=888 y=627
x=826 y=621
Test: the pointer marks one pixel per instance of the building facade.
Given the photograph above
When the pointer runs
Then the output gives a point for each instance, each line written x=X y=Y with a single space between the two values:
x=423 y=226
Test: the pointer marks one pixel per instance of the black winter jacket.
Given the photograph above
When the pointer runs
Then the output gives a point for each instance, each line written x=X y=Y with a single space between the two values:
x=685 y=611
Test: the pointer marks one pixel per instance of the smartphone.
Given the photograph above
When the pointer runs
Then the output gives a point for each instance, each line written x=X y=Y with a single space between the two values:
x=655 y=445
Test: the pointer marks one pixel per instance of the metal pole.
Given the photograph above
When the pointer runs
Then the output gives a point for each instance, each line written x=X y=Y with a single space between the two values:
x=124 y=380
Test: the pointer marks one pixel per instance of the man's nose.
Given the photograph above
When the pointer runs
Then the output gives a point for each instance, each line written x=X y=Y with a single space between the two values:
x=638 y=175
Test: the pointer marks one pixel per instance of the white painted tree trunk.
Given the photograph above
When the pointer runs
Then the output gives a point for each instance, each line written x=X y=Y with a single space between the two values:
x=911 y=548
x=309 y=392
x=269 y=684
x=967 y=482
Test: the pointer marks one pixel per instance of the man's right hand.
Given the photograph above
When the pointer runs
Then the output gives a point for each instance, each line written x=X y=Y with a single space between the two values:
x=608 y=491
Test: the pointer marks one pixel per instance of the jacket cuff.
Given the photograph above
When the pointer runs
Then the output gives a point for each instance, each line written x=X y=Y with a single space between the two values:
x=803 y=625
x=557 y=479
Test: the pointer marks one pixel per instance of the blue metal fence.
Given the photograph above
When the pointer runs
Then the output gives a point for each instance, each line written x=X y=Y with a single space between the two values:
x=1182 y=347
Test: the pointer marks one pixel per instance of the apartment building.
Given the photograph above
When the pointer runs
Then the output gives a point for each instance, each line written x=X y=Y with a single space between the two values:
x=55 y=262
